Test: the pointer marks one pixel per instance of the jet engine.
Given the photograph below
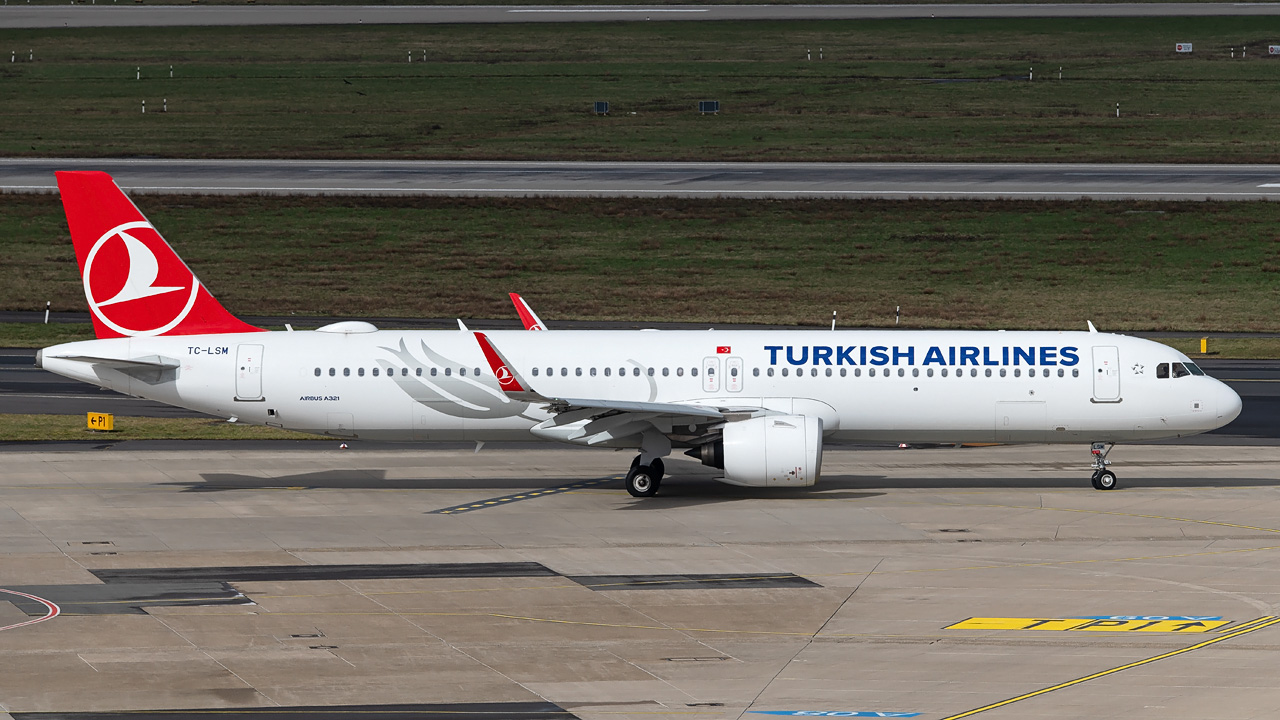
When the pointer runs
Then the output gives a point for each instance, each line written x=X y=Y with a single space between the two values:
x=769 y=451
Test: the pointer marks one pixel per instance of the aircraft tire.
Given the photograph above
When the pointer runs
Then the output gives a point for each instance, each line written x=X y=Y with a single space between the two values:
x=1105 y=480
x=643 y=482
x=659 y=469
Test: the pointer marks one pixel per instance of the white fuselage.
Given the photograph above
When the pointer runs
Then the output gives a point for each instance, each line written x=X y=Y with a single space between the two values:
x=899 y=386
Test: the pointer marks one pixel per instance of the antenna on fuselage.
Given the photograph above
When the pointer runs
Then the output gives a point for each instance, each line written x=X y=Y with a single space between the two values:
x=833 y=319
x=462 y=327
x=1092 y=329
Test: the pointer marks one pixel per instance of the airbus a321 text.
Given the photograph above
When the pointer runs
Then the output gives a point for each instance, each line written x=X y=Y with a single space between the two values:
x=757 y=404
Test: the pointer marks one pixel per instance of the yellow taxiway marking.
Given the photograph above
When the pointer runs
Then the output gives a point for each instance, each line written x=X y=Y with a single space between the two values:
x=1088 y=624
x=1256 y=625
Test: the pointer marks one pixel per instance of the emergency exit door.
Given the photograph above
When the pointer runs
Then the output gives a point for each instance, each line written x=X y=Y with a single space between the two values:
x=1106 y=373
x=248 y=372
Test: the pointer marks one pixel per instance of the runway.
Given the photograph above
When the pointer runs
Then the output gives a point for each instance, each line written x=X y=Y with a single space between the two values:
x=26 y=16
x=656 y=179
x=936 y=584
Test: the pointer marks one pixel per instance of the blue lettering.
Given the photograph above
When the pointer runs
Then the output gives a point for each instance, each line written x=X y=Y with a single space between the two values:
x=804 y=356
x=880 y=355
x=951 y=355
x=773 y=353
x=1048 y=356
x=910 y=355
x=968 y=355
x=1028 y=355
x=1004 y=356
x=934 y=355
x=862 y=355
x=844 y=355
x=1069 y=356
x=986 y=357
x=821 y=355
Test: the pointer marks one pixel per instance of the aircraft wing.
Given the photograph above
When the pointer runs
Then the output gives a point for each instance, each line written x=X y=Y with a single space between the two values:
x=588 y=421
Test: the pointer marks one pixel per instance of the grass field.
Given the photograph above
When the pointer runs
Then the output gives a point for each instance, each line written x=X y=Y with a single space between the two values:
x=886 y=90
x=948 y=264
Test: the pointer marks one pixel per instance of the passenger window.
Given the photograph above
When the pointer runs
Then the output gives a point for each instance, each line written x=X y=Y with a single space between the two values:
x=346 y=372
x=551 y=372
x=857 y=372
x=608 y=372
x=770 y=372
x=1061 y=372
x=333 y=371
x=1045 y=372
x=417 y=371
x=814 y=372
x=375 y=372
x=666 y=372
x=360 y=372
x=785 y=372
x=477 y=372
x=871 y=372
x=635 y=371
x=462 y=372
x=317 y=372
x=828 y=372
x=679 y=372
x=564 y=372
x=929 y=372
x=973 y=372
x=434 y=371
x=1017 y=372
x=1003 y=372
x=1075 y=372
x=944 y=372
x=755 y=372
x=593 y=372
x=988 y=372
x=1162 y=371
x=693 y=372
x=650 y=372
x=535 y=372
x=577 y=372
x=842 y=372
x=915 y=372
x=902 y=372
x=448 y=372
x=1180 y=370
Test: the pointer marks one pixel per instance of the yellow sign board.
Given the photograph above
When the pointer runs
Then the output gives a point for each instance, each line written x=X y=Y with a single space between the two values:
x=1088 y=625
x=101 y=421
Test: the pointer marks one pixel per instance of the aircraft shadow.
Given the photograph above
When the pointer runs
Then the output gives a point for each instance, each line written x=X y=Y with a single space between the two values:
x=358 y=480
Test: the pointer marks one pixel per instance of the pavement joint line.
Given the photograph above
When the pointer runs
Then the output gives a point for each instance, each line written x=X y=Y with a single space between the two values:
x=1121 y=514
x=1259 y=624
x=525 y=495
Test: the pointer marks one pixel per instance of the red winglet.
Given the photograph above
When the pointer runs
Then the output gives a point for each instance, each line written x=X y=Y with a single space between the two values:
x=135 y=283
x=527 y=316
x=506 y=378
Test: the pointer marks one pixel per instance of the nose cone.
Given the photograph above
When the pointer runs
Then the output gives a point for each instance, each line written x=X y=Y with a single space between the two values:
x=1228 y=404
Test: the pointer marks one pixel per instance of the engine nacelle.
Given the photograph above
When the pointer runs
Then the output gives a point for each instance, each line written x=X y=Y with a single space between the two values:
x=770 y=451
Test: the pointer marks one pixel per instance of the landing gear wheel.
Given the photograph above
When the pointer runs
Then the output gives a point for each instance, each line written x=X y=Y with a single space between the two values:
x=659 y=470
x=643 y=481
x=1104 y=480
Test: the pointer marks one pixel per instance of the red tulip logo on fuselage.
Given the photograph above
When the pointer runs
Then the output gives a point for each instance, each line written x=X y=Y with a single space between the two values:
x=145 y=299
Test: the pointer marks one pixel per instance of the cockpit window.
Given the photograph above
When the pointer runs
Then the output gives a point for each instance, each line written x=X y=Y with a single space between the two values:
x=1180 y=370
x=1162 y=371
x=1194 y=368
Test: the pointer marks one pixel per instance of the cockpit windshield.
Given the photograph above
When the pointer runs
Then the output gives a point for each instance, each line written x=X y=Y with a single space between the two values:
x=1180 y=370
x=1195 y=369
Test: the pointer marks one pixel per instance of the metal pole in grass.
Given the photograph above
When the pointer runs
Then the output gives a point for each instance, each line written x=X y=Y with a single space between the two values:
x=139 y=76
x=165 y=107
x=1117 y=109
x=170 y=71
x=144 y=107
x=897 y=314
x=1031 y=74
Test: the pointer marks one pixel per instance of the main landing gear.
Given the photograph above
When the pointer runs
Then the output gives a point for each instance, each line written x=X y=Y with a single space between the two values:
x=644 y=480
x=1103 y=479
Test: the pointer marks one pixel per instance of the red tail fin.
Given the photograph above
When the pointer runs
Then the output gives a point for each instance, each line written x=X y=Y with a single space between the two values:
x=135 y=283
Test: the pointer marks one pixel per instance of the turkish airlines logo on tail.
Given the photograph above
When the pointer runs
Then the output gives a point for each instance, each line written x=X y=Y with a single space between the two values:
x=504 y=376
x=128 y=289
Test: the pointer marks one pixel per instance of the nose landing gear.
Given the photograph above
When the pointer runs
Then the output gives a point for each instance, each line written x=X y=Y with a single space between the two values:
x=644 y=480
x=1103 y=479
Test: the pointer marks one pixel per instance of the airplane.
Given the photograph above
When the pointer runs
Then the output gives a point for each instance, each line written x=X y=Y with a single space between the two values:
x=759 y=405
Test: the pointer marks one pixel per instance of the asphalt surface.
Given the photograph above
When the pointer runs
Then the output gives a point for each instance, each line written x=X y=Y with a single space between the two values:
x=26 y=389
x=655 y=179
x=26 y=16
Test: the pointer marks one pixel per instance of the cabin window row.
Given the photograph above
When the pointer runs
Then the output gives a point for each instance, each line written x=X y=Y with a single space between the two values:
x=915 y=372
x=402 y=372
